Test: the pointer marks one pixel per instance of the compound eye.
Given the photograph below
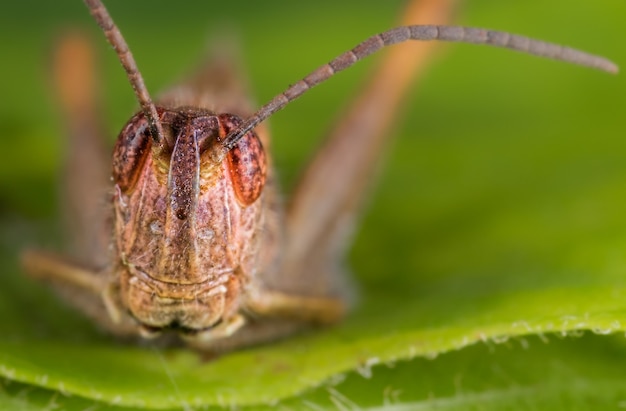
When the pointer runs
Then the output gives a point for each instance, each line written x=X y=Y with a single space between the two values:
x=248 y=168
x=130 y=152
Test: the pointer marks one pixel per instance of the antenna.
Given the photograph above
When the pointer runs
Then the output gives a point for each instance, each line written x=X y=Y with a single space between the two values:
x=115 y=38
x=421 y=33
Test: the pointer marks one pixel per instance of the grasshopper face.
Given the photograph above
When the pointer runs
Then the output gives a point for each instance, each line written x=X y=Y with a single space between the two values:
x=187 y=218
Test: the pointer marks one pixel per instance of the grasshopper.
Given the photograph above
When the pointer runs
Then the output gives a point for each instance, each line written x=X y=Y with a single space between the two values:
x=197 y=240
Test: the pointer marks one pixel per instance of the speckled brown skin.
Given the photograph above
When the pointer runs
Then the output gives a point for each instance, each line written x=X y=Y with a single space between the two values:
x=201 y=245
x=187 y=239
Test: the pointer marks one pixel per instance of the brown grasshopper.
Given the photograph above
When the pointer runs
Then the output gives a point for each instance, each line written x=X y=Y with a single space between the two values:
x=197 y=239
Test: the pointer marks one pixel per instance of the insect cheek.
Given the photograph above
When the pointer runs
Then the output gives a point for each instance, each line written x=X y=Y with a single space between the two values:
x=248 y=168
x=130 y=153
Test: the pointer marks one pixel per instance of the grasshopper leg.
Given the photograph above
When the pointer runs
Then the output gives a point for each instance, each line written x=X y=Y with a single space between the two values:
x=323 y=211
x=86 y=175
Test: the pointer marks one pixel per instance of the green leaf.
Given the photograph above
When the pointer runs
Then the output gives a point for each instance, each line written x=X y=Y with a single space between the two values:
x=522 y=373
x=526 y=373
x=499 y=216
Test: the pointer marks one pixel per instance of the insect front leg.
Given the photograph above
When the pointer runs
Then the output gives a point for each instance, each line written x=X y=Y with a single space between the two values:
x=269 y=315
x=89 y=290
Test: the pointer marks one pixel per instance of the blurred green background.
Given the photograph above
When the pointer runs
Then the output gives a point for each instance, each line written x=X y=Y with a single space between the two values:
x=508 y=172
